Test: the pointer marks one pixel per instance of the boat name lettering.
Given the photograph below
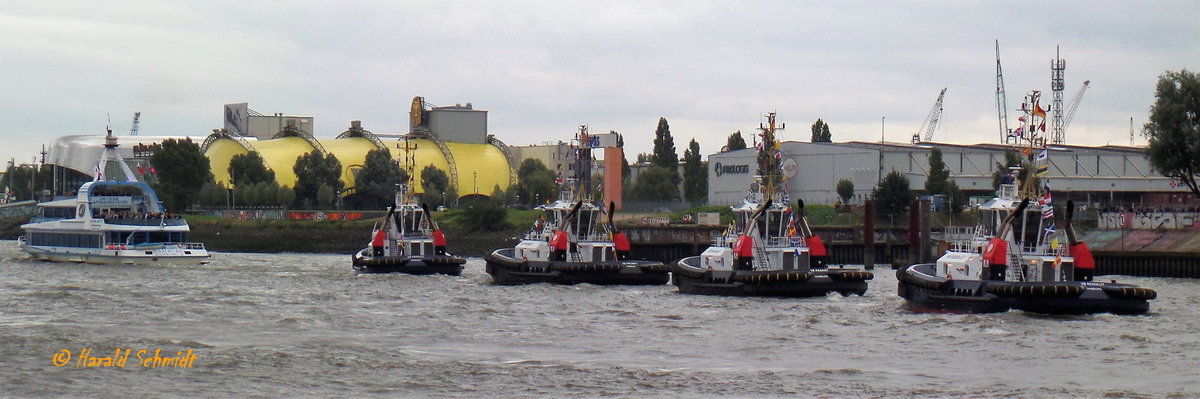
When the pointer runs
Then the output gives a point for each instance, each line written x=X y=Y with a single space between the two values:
x=111 y=200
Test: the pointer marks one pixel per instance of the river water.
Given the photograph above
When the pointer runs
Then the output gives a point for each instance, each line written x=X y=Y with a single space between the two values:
x=300 y=325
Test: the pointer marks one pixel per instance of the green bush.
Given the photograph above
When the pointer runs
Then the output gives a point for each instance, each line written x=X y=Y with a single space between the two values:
x=483 y=215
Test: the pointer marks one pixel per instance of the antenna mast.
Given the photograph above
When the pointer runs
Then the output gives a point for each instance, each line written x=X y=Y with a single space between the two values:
x=1058 y=67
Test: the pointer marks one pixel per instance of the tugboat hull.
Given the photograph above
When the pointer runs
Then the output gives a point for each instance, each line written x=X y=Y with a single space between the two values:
x=433 y=264
x=778 y=283
x=507 y=270
x=927 y=292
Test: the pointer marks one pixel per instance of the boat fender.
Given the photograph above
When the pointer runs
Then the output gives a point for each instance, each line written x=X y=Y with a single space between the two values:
x=851 y=275
x=760 y=278
x=1031 y=291
x=1134 y=293
x=905 y=277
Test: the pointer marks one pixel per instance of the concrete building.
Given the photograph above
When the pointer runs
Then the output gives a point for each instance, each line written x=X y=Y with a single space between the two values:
x=557 y=156
x=245 y=122
x=1108 y=174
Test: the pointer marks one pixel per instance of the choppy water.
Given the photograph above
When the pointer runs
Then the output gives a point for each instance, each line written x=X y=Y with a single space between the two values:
x=288 y=325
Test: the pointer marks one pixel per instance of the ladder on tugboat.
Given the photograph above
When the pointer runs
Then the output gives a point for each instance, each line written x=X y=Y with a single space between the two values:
x=1015 y=266
x=760 y=255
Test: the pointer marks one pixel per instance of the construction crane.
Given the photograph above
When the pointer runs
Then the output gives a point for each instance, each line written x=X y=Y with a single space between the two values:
x=1001 y=100
x=137 y=116
x=935 y=115
x=1074 y=106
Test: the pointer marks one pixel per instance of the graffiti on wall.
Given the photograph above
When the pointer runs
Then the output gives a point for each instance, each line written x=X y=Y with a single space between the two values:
x=1149 y=220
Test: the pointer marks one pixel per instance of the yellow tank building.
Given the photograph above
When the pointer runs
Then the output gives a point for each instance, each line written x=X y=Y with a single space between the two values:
x=473 y=167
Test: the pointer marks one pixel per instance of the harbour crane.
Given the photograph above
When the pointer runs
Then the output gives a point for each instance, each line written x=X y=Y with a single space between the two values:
x=1074 y=105
x=137 y=116
x=935 y=115
x=1001 y=100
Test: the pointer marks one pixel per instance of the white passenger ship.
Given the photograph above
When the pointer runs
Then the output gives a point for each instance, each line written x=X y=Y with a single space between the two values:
x=110 y=222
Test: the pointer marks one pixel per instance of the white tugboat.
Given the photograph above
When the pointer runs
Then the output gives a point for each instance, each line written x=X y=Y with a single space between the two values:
x=408 y=240
x=113 y=219
x=1015 y=259
x=769 y=250
x=570 y=245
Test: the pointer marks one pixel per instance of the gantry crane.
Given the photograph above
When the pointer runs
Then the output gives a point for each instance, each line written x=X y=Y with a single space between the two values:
x=935 y=115
x=1074 y=105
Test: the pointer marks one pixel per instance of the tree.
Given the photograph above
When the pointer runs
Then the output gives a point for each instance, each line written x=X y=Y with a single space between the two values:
x=625 y=170
x=285 y=197
x=664 y=151
x=325 y=196
x=375 y=184
x=435 y=184
x=246 y=195
x=267 y=191
x=249 y=168
x=480 y=214
x=893 y=196
x=820 y=132
x=499 y=196
x=956 y=200
x=735 y=142
x=1012 y=158
x=654 y=184
x=535 y=182
x=212 y=194
x=845 y=189
x=1174 y=128
x=182 y=172
x=24 y=181
x=314 y=170
x=939 y=175
x=695 y=175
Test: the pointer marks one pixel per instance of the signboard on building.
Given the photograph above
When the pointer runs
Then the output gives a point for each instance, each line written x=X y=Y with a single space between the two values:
x=721 y=169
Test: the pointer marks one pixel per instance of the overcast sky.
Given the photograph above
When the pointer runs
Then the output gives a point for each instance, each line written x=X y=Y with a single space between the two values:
x=540 y=69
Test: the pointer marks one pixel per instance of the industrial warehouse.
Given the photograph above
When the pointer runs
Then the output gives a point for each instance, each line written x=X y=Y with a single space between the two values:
x=1100 y=175
x=456 y=139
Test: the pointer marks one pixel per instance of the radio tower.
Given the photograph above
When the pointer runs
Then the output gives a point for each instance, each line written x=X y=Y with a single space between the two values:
x=1057 y=68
